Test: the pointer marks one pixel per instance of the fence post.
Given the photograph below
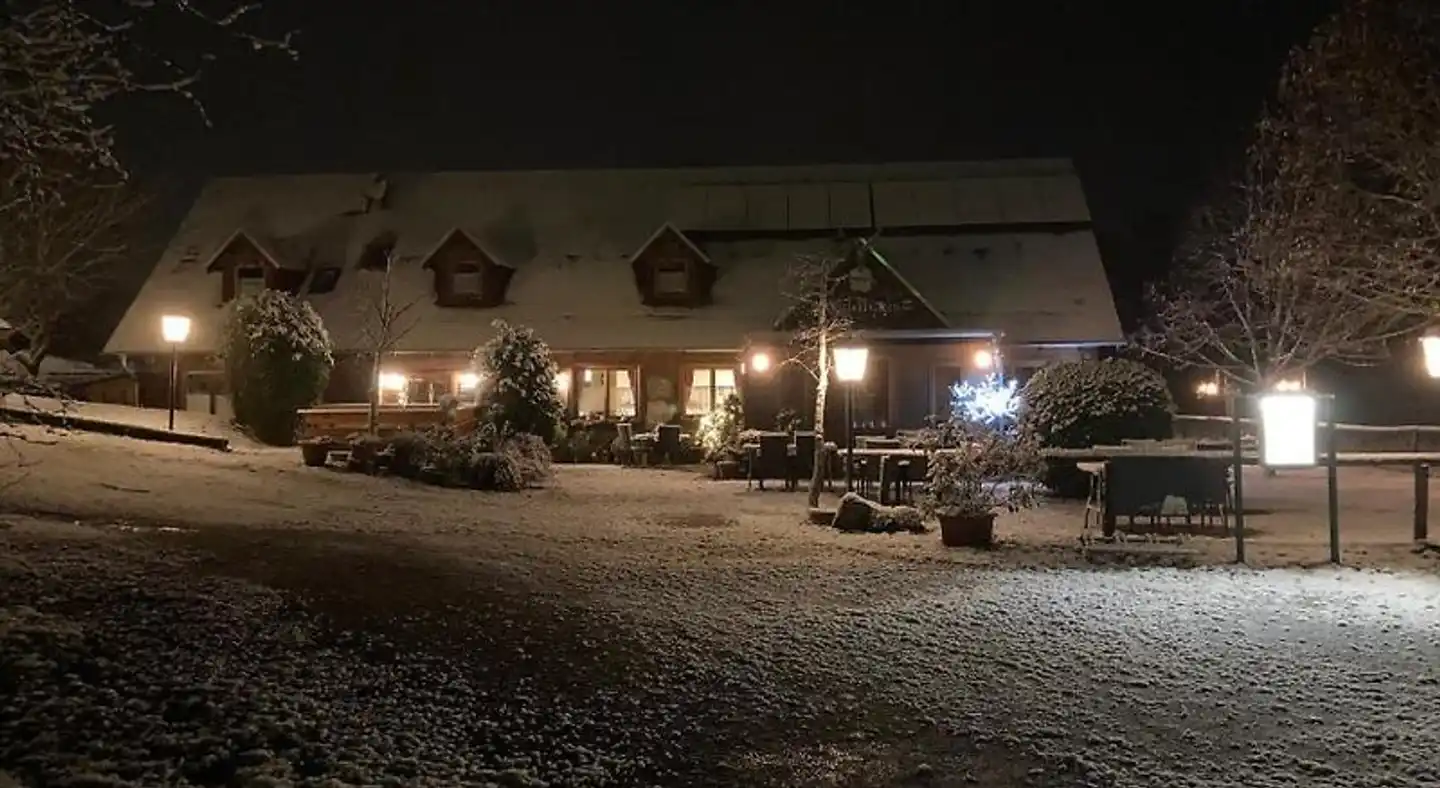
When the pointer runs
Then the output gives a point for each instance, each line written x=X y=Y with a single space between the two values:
x=1332 y=483
x=1422 y=502
x=1237 y=458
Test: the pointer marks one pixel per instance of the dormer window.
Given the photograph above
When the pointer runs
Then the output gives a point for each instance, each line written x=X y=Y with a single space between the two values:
x=466 y=280
x=672 y=278
x=249 y=281
x=466 y=275
x=670 y=270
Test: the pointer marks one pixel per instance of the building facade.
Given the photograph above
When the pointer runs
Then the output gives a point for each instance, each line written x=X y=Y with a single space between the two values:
x=659 y=291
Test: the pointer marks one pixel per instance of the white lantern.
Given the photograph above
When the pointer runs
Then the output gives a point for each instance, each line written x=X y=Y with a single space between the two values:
x=175 y=329
x=1430 y=346
x=1287 y=429
x=850 y=362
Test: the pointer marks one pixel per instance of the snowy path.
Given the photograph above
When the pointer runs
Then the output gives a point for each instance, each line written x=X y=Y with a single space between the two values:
x=318 y=629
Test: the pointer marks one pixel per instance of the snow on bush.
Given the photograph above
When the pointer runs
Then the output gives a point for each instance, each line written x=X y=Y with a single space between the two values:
x=278 y=358
x=518 y=391
x=992 y=401
x=719 y=431
x=1089 y=403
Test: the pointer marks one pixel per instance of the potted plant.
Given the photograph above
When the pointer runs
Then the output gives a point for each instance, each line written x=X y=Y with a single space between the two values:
x=719 y=435
x=972 y=473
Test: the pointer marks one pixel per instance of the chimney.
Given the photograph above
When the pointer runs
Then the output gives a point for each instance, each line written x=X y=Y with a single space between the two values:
x=376 y=193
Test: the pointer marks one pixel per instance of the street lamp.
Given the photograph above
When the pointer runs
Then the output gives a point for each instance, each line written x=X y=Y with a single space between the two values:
x=760 y=363
x=850 y=363
x=174 y=329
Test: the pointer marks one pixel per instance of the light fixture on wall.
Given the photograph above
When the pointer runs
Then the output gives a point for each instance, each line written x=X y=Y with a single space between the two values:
x=562 y=382
x=467 y=382
x=759 y=362
x=392 y=381
x=984 y=358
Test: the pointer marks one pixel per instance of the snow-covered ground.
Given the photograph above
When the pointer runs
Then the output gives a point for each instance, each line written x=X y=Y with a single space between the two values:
x=154 y=418
x=176 y=614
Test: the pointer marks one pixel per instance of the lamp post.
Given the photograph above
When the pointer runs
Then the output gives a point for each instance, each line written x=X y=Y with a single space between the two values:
x=174 y=329
x=850 y=363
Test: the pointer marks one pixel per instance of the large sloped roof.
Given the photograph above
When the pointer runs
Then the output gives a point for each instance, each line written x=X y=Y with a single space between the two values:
x=570 y=236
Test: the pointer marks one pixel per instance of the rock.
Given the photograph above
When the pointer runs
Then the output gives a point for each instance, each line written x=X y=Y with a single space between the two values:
x=854 y=513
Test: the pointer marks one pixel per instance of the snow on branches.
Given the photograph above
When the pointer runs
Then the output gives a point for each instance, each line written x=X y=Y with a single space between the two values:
x=60 y=60
x=1327 y=248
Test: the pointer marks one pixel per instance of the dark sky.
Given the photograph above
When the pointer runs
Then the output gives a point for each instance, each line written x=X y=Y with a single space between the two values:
x=1149 y=104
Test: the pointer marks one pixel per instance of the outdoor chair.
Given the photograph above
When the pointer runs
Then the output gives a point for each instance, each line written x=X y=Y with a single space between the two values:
x=802 y=465
x=667 y=443
x=909 y=471
x=625 y=443
x=1143 y=486
x=771 y=460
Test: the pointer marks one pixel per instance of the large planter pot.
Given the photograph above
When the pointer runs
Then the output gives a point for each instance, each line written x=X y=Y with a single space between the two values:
x=967 y=530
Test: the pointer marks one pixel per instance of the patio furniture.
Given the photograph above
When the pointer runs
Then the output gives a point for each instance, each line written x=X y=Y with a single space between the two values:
x=770 y=459
x=1163 y=490
x=667 y=443
x=625 y=436
x=802 y=464
x=909 y=471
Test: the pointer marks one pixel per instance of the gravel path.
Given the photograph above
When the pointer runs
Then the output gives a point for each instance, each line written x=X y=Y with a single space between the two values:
x=252 y=658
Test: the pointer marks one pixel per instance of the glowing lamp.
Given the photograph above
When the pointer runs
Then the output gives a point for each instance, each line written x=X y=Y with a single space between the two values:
x=562 y=381
x=1289 y=384
x=1287 y=429
x=392 y=381
x=1208 y=388
x=1430 y=346
x=984 y=359
x=175 y=329
x=760 y=362
x=850 y=362
x=467 y=381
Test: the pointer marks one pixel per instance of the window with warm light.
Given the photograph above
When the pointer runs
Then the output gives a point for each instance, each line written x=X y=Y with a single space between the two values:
x=609 y=392
x=708 y=390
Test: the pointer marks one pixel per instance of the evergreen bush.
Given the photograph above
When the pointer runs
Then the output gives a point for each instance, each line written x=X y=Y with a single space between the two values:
x=518 y=391
x=277 y=359
x=1080 y=404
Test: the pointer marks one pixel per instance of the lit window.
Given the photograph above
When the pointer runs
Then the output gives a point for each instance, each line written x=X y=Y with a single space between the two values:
x=609 y=392
x=708 y=390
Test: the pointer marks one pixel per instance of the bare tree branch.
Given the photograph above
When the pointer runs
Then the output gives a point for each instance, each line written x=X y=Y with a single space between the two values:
x=385 y=320
x=59 y=247
x=61 y=60
x=1325 y=250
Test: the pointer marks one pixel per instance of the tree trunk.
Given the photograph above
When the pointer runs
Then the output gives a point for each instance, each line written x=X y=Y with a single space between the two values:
x=822 y=457
x=372 y=418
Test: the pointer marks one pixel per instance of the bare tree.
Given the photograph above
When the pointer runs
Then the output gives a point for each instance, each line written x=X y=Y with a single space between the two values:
x=385 y=320
x=61 y=60
x=59 y=248
x=818 y=320
x=1326 y=247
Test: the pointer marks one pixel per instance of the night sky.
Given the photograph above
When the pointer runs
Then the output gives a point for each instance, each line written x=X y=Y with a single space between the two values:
x=1151 y=106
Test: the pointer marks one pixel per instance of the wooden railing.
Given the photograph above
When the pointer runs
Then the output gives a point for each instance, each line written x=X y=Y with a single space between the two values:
x=1348 y=437
x=341 y=419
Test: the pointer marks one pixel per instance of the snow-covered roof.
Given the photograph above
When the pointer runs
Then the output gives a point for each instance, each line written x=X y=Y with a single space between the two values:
x=570 y=236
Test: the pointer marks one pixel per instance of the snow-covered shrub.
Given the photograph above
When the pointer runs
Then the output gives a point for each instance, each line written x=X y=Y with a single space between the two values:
x=992 y=401
x=408 y=453
x=497 y=471
x=518 y=393
x=277 y=359
x=531 y=455
x=972 y=469
x=1088 y=403
x=719 y=431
